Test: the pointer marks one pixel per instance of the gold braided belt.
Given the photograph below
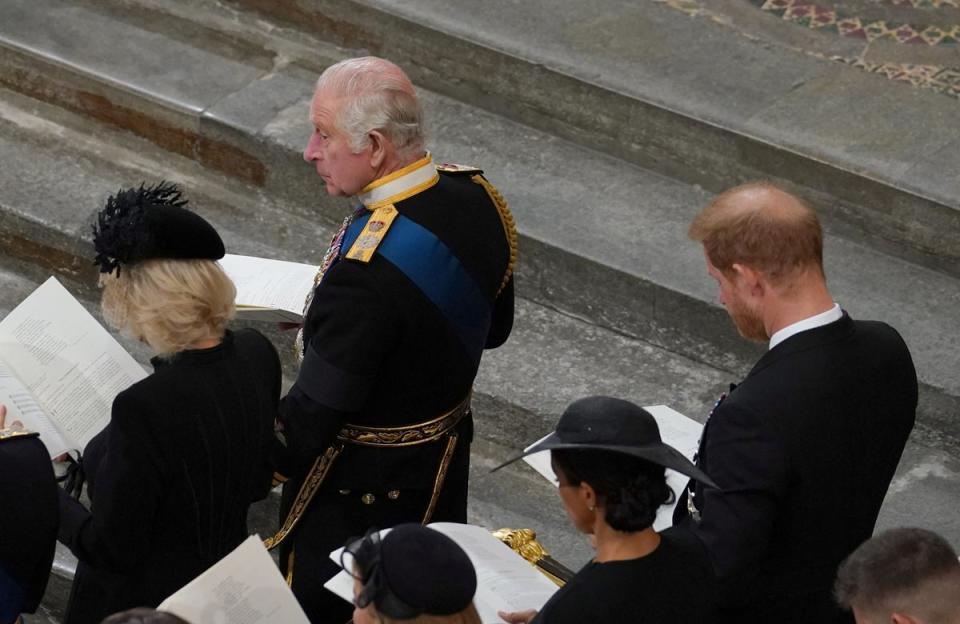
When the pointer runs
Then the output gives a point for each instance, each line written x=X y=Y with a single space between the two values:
x=409 y=435
x=438 y=428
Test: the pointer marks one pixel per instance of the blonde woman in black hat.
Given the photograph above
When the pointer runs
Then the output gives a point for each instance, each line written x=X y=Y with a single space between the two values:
x=187 y=448
x=413 y=575
x=609 y=458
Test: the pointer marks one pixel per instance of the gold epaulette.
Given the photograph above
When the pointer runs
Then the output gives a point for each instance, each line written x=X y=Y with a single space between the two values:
x=9 y=434
x=455 y=169
x=509 y=225
x=372 y=234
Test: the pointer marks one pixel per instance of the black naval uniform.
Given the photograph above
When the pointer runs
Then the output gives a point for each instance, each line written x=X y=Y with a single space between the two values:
x=28 y=522
x=172 y=476
x=379 y=353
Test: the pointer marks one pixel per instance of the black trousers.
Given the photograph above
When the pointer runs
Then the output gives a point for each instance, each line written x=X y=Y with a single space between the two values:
x=334 y=518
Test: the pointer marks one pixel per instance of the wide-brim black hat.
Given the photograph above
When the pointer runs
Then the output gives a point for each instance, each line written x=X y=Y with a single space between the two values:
x=151 y=222
x=609 y=424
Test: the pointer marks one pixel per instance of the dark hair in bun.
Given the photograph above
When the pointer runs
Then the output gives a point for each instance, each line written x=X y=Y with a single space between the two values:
x=629 y=489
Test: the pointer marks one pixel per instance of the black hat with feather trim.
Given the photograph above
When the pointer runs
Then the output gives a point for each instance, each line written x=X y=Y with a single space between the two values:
x=150 y=222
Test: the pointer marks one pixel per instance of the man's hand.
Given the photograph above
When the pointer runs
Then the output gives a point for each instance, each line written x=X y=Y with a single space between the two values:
x=517 y=617
x=15 y=425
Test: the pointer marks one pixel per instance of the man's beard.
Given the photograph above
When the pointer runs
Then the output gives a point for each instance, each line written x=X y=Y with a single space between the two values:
x=748 y=323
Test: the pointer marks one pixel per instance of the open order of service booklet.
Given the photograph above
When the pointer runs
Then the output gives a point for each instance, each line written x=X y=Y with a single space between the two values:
x=60 y=369
x=269 y=290
x=679 y=431
x=245 y=587
x=505 y=580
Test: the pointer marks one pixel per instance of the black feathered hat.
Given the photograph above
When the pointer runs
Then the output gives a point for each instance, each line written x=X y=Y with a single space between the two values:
x=411 y=571
x=150 y=222
x=609 y=424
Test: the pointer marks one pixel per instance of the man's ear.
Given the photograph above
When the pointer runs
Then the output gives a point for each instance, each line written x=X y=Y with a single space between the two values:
x=749 y=279
x=378 y=148
x=899 y=618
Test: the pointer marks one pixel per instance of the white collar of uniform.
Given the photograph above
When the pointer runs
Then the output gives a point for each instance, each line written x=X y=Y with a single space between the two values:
x=817 y=320
x=401 y=184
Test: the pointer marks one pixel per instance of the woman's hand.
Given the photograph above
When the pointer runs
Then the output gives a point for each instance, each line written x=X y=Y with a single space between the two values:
x=15 y=425
x=517 y=617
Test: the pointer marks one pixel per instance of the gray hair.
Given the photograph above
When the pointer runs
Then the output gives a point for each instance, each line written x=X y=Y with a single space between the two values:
x=377 y=95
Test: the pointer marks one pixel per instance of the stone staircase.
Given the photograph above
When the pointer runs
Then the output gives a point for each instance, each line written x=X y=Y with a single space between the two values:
x=604 y=149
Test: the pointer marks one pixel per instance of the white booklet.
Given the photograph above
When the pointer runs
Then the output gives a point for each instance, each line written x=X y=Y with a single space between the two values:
x=269 y=290
x=245 y=587
x=679 y=431
x=60 y=369
x=505 y=580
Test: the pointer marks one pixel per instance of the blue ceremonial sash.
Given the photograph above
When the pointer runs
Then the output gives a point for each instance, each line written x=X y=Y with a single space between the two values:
x=430 y=264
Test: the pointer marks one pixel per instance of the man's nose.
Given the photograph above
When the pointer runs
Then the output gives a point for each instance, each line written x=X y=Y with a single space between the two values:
x=310 y=151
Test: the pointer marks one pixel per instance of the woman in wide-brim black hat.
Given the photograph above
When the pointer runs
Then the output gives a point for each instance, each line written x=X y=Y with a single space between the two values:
x=188 y=447
x=610 y=462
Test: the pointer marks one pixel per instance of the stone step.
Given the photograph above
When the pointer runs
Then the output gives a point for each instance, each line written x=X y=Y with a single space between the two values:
x=586 y=359
x=709 y=92
x=606 y=243
x=59 y=168
x=58 y=178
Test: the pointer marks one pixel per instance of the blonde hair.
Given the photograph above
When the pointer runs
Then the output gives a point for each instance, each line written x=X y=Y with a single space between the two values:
x=169 y=304
x=467 y=616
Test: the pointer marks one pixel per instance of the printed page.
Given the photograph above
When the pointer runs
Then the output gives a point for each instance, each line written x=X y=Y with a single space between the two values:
x=73 y=367
x=679 y=431
x=269 y=290
x=505 y=580
x=245 y=587
x=23 y=407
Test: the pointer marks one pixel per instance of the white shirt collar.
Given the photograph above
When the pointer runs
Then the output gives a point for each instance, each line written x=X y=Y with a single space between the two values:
x=401 y=184
x=817 y=320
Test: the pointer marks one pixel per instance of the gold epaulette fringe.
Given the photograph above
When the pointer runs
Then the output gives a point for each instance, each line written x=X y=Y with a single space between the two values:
x=509 y=226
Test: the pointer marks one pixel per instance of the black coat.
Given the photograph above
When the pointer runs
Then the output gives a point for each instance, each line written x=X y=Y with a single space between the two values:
x=171 y=477
x=390 y=358
x=28 y=523
x=804 y=450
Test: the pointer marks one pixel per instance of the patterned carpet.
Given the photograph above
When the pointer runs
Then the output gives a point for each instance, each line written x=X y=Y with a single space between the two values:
x=913 y=42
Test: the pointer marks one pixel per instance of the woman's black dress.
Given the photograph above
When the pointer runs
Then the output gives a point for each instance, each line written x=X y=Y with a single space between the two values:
x=671 y=585
x=172 y=476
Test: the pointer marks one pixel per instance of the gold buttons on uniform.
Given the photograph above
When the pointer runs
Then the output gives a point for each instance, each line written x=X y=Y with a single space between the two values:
x=368 y=498
x=393 y=494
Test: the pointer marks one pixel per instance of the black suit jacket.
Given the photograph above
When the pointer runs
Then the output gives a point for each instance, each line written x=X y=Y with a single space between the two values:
x=172 y=476
x=28 y=524
x=803 y=451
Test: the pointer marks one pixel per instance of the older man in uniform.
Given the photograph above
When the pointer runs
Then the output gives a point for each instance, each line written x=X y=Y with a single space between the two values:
x=28 y=520
x=804 y=448
x=414 y=286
